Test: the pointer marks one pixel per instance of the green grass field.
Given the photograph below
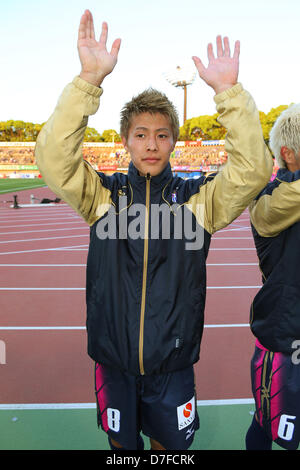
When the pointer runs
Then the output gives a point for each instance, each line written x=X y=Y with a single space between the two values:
x=19 y=184
x=221 y=428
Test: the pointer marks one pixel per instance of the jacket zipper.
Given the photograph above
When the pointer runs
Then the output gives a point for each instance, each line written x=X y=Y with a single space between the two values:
x=145 y=267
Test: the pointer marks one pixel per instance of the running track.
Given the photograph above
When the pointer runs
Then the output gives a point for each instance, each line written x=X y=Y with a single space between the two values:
x=43 y=358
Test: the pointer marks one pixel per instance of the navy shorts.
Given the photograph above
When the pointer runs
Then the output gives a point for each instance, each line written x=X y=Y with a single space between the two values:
x=276 y=388
x=163 y=407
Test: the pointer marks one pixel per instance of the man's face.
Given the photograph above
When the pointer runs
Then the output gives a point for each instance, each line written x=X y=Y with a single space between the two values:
x=150 y=142
x=292 y=159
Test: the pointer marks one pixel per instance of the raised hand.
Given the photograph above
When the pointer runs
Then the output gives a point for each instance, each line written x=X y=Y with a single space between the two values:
x=222 y=71
x=96 y=61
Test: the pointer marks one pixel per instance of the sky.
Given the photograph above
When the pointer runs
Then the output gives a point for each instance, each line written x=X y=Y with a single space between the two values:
x=39 y=52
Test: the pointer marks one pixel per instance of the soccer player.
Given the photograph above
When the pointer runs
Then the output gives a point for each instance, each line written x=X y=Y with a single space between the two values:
x=149 y=238
x=275 y=311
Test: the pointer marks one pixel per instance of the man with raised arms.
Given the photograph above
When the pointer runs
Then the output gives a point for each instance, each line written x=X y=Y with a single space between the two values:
x=146 y=295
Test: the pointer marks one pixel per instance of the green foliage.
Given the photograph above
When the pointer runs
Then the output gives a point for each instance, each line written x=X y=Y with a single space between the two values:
x=267 y=120
x=208 y=128
x=19 y=131
x=91 y=135
x=110 y=135
x=202 y=127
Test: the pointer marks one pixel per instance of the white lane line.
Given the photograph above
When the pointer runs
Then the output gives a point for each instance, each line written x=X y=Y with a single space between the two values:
x=233 y=401
x=33 y=208
x=41 y=265
x=228 y=325
x=62 y=248
x=41 y=328
x=75 y=249
x=85 y=247
x=36 y=212
x=50 y=223
x=235 y=229
x=85 y=406
x=80 y=247
x=234 y=287
x=42 y=239
x=83 y=288
x=232 y=249
x=230 y=238
x=41 y=288
x=76 y=265
x=38 y=219
x=232 y=264
x=71 y=328
x=45 y=230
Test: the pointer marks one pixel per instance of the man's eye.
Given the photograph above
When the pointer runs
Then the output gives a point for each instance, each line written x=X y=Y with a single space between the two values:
x=162 y=136
x=140 y=136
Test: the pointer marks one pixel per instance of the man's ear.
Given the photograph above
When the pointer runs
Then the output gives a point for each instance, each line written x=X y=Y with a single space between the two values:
x=124 y=142
x=287 y=154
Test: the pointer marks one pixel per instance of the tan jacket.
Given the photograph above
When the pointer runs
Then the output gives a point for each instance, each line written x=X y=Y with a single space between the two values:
x=146 y=296
x=277 y=209
x=59 y=157
x=275 y=219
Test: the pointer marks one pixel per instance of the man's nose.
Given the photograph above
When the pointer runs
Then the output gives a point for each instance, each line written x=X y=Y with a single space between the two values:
x=151 y=143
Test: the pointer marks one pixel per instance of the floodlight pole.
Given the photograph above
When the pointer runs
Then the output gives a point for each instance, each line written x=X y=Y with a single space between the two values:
x=181 y=78
x=184 y=102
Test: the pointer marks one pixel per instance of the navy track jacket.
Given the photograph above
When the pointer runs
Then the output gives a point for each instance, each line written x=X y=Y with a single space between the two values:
x=149 y=237
x=275 y=217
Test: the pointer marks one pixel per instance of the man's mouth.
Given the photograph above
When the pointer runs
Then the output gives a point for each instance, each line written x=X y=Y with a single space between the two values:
x=150 y=159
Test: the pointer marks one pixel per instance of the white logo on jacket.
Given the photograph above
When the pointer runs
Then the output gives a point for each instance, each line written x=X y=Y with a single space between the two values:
x=186 y=414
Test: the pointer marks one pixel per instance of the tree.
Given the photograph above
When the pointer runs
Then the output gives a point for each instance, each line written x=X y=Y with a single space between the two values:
x=19 y=131
x=202 y=127
x=110 y=135
x=207 y=127
x=268 y=120
x=91 y=135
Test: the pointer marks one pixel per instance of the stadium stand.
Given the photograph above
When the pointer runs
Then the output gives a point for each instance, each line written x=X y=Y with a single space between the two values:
x=17 y=158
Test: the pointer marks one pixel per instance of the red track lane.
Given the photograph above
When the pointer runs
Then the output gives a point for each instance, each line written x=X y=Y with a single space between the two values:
x=66 y=276
x=46 y=308
x=42 y=277
x=232 y=256
x=233 y=276
x=40 y=256
x=24 y=196
x=52 y=366
x=13 y=239
x=228 y=306
x=223 y=371
x=46 y=367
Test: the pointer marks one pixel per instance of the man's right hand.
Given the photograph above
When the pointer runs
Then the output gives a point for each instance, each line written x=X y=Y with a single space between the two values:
x=222 y=71
x=96 y=61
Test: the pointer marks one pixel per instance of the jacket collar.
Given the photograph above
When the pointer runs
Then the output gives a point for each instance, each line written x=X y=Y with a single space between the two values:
x=283 y=174
x=158 y=180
